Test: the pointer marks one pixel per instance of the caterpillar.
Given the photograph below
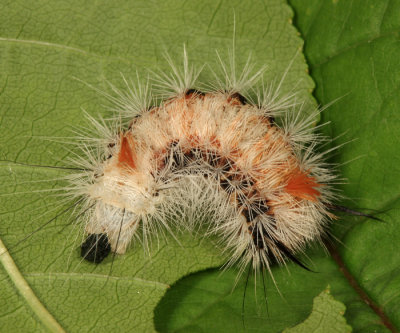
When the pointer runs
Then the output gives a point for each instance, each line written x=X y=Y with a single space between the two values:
x=218 y=156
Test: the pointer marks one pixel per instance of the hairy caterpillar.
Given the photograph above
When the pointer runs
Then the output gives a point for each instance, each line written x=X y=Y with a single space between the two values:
x=264 y=190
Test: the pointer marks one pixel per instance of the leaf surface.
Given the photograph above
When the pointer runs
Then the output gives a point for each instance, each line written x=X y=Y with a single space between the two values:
x=356 y=59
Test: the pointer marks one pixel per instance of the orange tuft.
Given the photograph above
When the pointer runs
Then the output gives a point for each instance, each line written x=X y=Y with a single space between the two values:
x=125 y=157
x=302 y=185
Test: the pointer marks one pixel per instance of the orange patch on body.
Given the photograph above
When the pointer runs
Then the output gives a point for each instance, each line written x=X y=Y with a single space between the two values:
x=126 y=154
x=302 y=185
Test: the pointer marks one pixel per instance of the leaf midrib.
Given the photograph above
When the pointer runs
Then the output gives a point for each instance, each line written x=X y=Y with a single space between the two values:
x=61 y=46
x=385 y=320
x=79 y=276
x=26 y=291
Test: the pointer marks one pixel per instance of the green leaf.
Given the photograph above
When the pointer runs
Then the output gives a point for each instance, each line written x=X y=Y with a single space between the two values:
x=326 y=316
x=356 y=58
x=43 y=47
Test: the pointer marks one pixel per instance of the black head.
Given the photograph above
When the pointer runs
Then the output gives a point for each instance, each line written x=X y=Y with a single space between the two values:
x=95 y=248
